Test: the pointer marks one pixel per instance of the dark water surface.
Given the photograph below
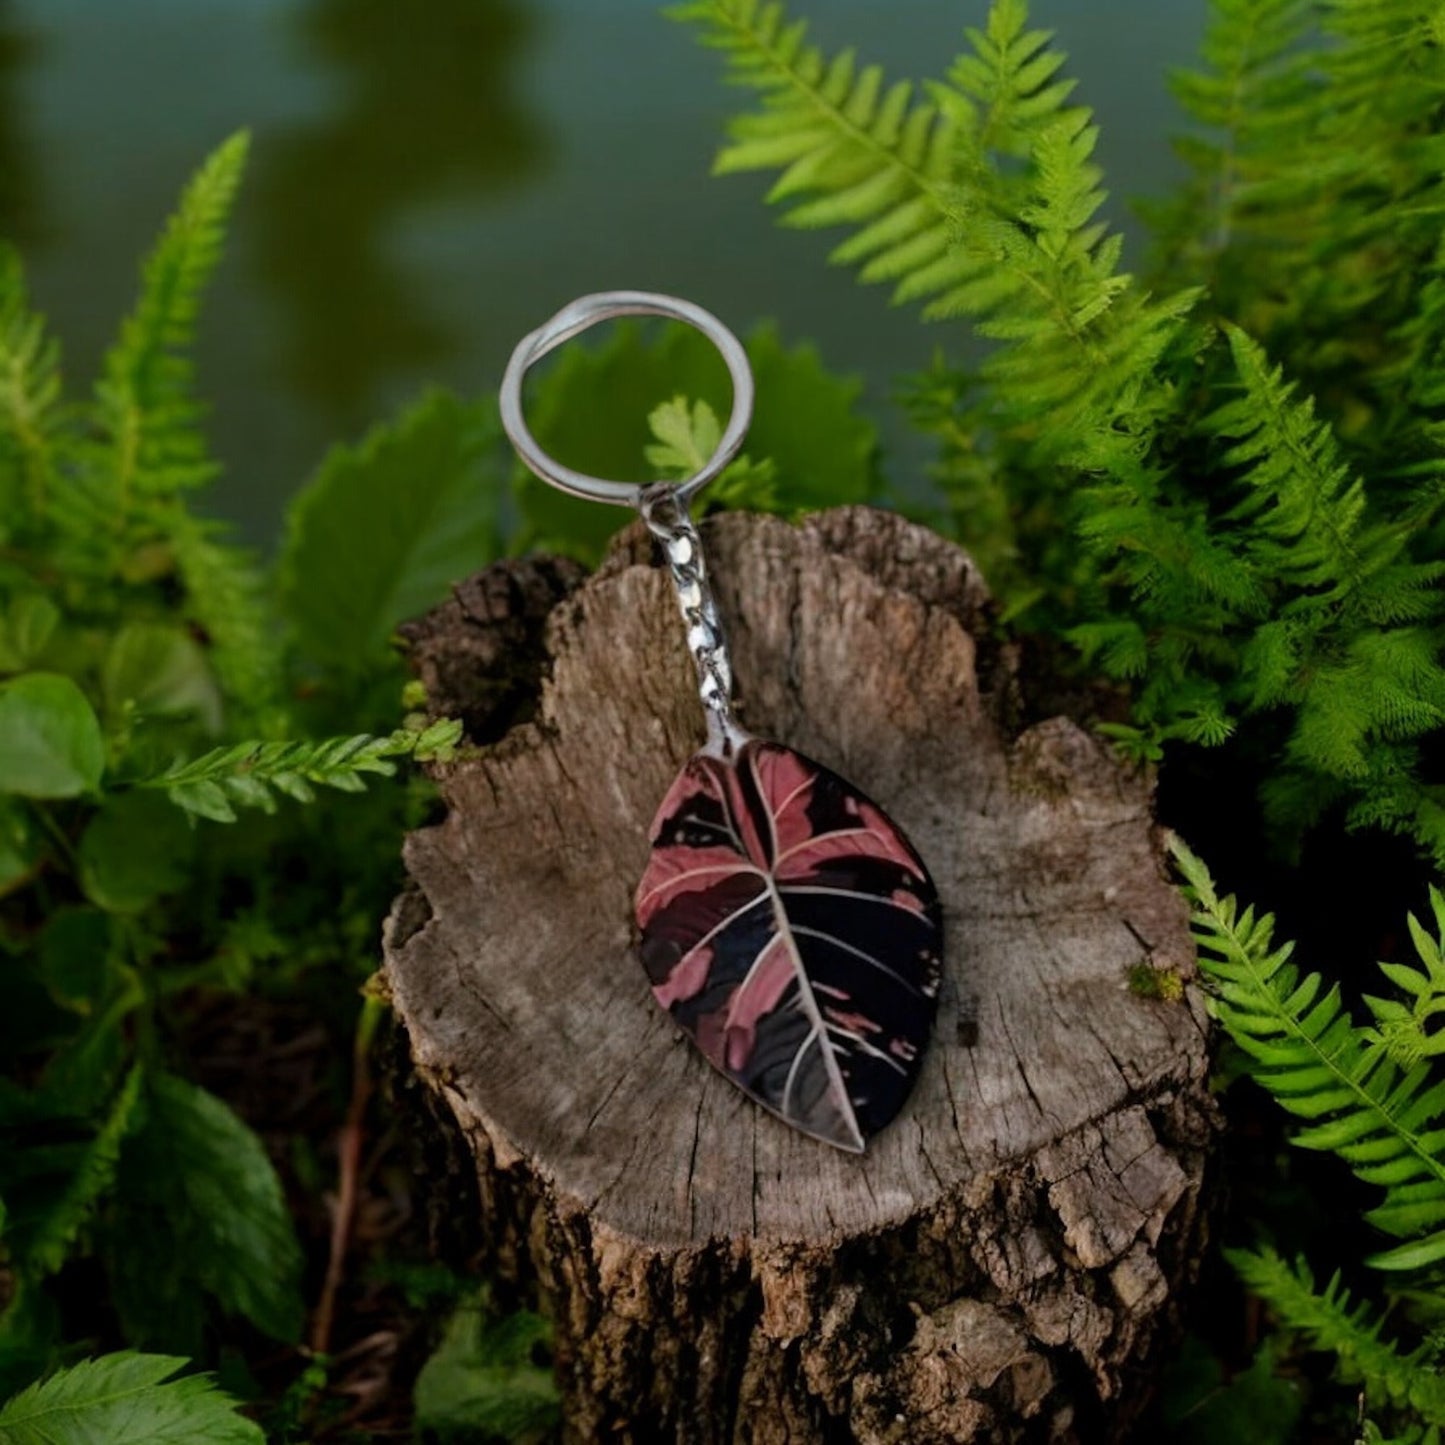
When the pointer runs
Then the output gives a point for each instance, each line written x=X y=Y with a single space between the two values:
x=431 y=179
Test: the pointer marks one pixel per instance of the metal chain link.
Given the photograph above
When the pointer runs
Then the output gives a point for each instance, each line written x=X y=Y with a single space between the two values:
x=668 y=520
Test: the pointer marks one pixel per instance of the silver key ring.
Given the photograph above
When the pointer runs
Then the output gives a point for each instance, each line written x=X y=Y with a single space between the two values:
x=575 y=318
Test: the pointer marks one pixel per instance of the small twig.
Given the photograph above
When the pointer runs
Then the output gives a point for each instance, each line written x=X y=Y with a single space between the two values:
x=348 y=1149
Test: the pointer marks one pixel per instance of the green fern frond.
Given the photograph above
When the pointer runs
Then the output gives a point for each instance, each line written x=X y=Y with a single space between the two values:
x=144 y=407
x=29 y=399
x=50 y=1243
x=1005 y=90
x=227 y=600
x=250 y=774
x=1351 y=1331
x=126 y=1399
x=1304 y=509
x=1407 y=1028
x=1384 y=1120
x=853 y=150
x=1249 y=97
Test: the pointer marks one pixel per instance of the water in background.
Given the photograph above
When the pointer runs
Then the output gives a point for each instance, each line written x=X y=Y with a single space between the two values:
x=431 y=180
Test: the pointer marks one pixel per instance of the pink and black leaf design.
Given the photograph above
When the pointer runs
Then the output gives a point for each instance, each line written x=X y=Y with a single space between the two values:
x=791 y=930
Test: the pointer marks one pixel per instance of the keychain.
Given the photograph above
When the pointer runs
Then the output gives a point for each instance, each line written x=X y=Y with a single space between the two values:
x=787 y=925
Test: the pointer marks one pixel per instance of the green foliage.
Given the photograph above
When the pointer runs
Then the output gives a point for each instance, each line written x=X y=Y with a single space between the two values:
x=1329 y=1320
x=148 y=419
x=86 y=1170
x=1202 y=1407
x=808 y=446
x=1381 y=1116
x=250 y=774
x=125 y=1399
x=852 y=150
x=1370 y=1096
x=484 y=1378
x=199 y=1211
x=1236 y=539
x=149 y=685
x=1406 y=1028
x=50 y=740
x=384 y=528
x=1220 y=484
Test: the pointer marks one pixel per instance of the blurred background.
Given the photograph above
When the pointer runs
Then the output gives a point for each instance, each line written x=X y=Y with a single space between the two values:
x=431 y=180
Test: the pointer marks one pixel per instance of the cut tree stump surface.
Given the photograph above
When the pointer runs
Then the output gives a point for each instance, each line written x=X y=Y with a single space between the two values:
x=999 y=1263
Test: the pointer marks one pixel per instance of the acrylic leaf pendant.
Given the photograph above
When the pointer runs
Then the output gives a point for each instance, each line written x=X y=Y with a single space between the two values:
x=791 y=930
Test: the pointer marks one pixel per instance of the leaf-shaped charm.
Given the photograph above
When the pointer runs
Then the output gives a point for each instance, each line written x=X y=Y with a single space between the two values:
x=791 y=930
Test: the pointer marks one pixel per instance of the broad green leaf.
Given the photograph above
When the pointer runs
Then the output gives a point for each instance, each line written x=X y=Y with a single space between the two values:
x=75 y=956
x=50 y=741
x=136 y=848
x=807 y=423
x=25 y=630
x=162 y=671
x=483 y=1379
x=199 y=1208
x=121 y=1399
x=383 y=528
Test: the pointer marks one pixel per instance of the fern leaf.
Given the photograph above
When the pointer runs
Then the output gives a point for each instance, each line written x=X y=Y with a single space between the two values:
x=852 y=150
x=1250 y=96
x=1304 y=504
x=1352 y=1332
x=227 y=601
x=125 y=1399
x=144 y=407
x=1383 y=1119
x=29 y=399
x=251 y=774
x=51 y=1241
x=1006 y=87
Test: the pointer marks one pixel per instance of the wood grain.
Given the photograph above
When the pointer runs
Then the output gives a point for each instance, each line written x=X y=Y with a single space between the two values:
x=998 y=1263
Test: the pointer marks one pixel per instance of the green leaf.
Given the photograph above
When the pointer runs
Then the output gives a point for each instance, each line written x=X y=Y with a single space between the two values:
x=384 y=528
x=1418 y=1254
x=243 y=774
x=160 y=670
x=483 y=1378
x=687 y=436
x=143 y=400
x=120 y=1399
x=136 y=848
x=75 y=956
x=25 y=630
x=1200 y=1406
x=50 y=740
x=808 y=424
x=200 y=1209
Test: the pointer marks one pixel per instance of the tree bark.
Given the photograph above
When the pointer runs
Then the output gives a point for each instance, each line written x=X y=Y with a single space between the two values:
x=1002 y=1261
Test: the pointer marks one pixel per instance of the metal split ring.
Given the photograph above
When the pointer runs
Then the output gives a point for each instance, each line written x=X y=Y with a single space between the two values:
x=575 y=318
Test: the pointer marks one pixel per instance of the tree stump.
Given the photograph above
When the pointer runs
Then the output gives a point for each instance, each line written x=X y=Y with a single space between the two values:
x=1002 y=1260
